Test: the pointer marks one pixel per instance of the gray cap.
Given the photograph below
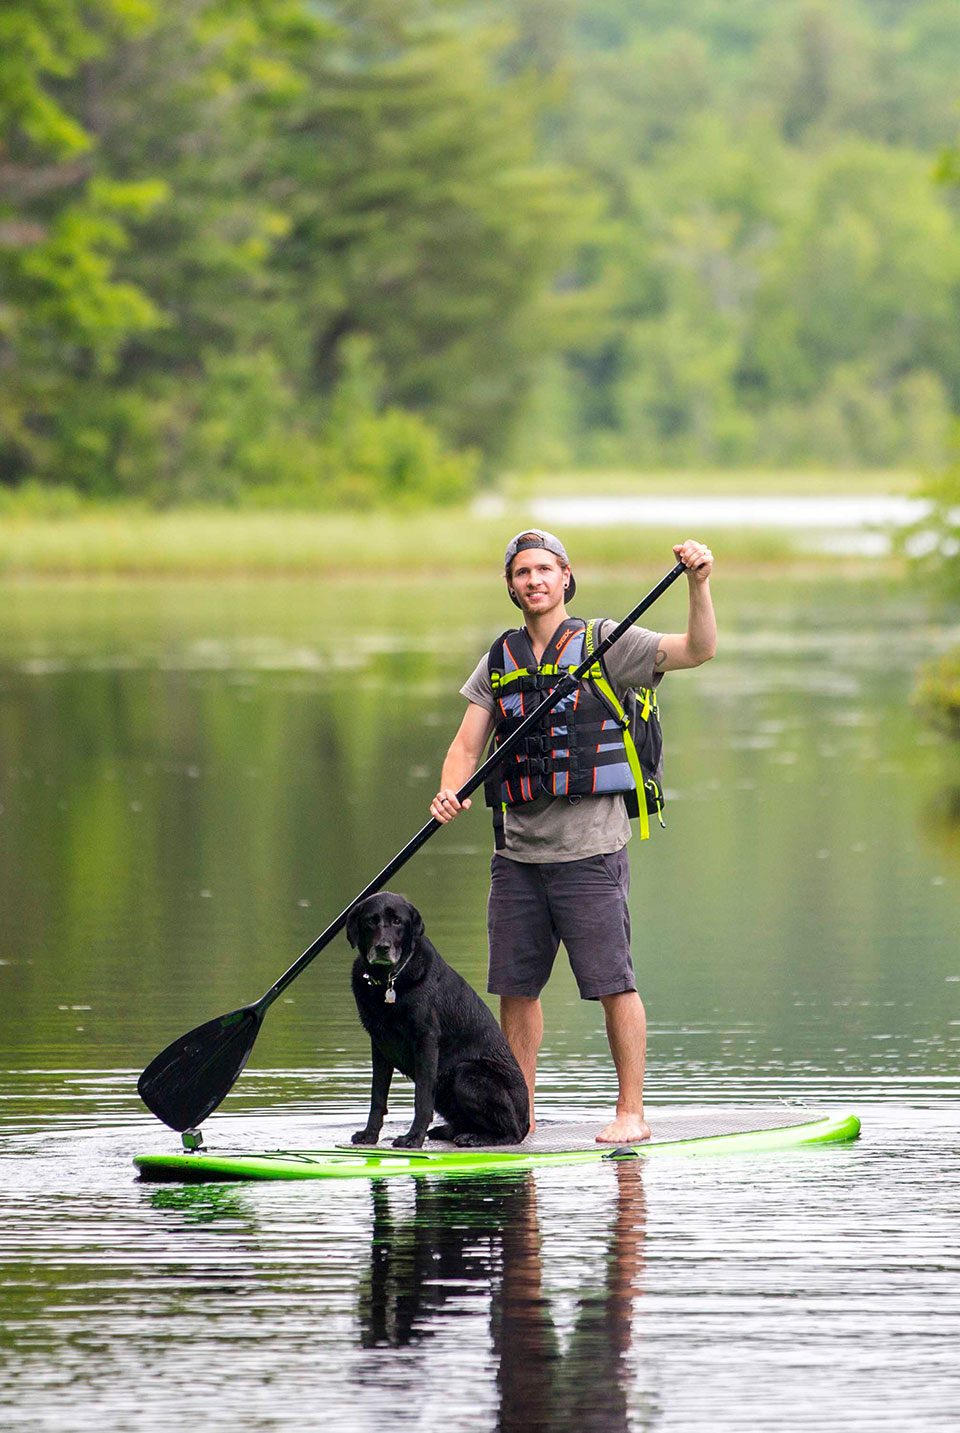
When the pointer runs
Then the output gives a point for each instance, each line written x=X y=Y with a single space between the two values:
x=536 y=537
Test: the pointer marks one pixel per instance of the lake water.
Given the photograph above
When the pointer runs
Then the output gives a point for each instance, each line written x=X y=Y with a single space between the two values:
x=194 y=778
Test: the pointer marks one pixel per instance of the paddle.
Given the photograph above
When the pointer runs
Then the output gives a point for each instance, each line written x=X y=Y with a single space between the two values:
x=190 y=1077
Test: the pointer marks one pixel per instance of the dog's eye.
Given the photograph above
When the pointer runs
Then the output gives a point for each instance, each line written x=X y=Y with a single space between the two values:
x=396 y=920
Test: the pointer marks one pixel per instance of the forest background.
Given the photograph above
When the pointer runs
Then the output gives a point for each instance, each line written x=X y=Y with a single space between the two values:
x=283 y=253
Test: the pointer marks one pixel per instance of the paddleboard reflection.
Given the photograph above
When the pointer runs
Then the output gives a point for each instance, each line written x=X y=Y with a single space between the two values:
x=474 y=1234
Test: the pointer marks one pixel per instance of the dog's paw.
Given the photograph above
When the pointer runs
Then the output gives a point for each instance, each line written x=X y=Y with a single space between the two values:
x=364 y=1136
x=468 y=1139
x=441 y=1132
x=408 y=1141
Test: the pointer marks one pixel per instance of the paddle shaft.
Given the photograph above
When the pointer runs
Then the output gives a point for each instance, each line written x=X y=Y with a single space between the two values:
x=563 y=688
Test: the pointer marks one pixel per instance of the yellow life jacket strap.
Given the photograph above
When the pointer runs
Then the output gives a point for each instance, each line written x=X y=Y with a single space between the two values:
x=501 y=679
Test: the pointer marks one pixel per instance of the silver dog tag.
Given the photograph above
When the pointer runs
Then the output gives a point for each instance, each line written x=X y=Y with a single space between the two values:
x=391 y=997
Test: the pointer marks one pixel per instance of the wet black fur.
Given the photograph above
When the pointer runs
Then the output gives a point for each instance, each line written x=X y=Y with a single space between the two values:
x=438 y=1033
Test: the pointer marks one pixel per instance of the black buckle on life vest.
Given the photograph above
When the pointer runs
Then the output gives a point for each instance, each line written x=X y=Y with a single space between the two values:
x=533 y=682
x=537 y=744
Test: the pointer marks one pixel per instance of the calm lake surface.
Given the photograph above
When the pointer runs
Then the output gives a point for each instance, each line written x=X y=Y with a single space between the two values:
x=194 y=778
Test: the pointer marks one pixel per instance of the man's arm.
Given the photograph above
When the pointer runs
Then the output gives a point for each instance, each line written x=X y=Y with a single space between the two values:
x=698 y=643
x=461 y=762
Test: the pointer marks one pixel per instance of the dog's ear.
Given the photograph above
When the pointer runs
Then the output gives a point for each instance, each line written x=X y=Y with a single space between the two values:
x=416 y=924
x=353 y=927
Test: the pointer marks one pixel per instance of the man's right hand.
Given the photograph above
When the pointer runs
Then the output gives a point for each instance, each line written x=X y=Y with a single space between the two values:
x=445 y=806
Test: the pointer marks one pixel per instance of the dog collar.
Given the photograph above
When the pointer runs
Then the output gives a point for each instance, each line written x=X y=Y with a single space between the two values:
x=389 y=994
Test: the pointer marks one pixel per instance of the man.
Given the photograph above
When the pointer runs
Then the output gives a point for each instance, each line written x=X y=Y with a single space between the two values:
x=562 y=872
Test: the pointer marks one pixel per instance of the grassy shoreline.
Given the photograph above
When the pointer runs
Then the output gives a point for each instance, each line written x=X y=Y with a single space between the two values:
x=99 y=541
x=717 y=482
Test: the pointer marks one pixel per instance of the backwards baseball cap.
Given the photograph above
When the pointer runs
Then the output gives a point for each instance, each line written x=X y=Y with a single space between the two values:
x=536 y=537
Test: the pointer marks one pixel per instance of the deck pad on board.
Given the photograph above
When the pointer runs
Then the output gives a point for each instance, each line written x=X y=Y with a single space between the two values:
x=719 y=1130
x=555 y=1135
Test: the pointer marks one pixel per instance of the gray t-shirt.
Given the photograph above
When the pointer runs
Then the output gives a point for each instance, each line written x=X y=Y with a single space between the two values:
x=555 y=828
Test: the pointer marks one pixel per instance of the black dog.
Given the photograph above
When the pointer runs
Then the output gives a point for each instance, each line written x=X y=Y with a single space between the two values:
x=426 y=1021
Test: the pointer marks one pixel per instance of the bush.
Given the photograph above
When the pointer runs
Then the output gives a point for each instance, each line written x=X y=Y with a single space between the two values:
x=934 y=544
x=39 y=500
x=237 y=433
x=934 y=541
x=937 y=694
x=391 y=456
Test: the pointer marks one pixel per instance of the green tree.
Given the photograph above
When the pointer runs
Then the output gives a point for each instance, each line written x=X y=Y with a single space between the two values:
x=66 y=310
x=934 y=544
x=421 y=216
x=263 y=184
x=773 y=273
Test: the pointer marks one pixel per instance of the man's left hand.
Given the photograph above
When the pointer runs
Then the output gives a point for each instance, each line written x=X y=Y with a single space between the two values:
x=696 y=558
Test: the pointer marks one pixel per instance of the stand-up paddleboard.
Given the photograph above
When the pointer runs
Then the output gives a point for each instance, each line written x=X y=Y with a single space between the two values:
x=717 y=1131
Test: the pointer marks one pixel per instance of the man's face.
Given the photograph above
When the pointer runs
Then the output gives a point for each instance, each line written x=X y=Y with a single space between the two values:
x=538 y=580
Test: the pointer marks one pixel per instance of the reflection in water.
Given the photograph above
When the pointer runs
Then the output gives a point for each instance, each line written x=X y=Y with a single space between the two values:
x=193 y=780
x=181 y=815
x=710 y=1296
x=478 y=1234
x=203 y=1203
x=440 y=1249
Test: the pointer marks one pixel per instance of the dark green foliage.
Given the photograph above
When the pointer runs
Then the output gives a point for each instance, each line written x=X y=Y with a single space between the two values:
x=64 y=223
x=937 y=694
x=774 y=268
x=420 y=216
x=270 y=251
x=270 y=206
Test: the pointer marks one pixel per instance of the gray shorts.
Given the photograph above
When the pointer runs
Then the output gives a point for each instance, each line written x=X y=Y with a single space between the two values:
x=533 y=907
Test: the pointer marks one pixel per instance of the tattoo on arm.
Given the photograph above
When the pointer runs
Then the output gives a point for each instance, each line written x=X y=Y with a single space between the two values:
x=661 y=660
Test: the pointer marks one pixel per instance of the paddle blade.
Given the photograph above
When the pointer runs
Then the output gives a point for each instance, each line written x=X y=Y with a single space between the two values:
x=189 y=1078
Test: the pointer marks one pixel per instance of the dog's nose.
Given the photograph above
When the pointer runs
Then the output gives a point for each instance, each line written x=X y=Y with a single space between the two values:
x=382 y=949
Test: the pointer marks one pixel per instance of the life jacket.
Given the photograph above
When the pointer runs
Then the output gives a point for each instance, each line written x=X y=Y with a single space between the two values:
x=590 y=744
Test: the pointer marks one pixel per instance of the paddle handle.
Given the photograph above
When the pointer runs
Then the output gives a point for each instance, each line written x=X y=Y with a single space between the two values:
x=563 y=688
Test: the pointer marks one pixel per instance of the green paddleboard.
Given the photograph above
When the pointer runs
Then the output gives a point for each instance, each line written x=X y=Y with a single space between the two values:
x=716 y=1131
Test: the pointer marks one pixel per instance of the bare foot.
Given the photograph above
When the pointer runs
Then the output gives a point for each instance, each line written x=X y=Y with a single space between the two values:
x=625 y=1129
